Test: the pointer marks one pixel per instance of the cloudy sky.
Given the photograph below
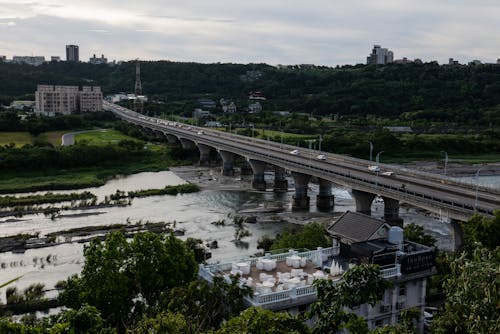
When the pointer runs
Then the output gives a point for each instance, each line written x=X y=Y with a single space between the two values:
x=323 y=32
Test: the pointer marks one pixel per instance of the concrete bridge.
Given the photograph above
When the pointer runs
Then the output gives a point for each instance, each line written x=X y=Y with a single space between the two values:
x=450 y=199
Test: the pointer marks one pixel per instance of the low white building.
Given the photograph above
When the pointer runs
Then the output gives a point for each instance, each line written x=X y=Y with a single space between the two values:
x=29 y=60
x=284 y=282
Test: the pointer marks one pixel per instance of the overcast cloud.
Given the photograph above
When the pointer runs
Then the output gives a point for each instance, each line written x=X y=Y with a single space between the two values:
x=323 y=32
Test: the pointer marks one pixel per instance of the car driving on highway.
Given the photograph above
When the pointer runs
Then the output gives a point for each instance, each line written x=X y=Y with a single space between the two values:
x=295 y=152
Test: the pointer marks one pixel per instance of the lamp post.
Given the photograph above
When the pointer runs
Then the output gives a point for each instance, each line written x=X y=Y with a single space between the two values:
x=371 y=150
x=319 y=144
x=477 y=187
x=377 y=158
x=445 y=161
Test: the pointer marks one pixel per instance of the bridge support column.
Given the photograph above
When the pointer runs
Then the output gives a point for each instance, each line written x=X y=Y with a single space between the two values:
x=204 y=154
x=300 y=199
x=324 y=200
x=258 y=168
x=363 y=201
x=280 y=181
x=457 y=234
x=172 y=140
x=159 y=135
x=187 y=144
x=227 y=163
x=391 y=212
x=246 y=169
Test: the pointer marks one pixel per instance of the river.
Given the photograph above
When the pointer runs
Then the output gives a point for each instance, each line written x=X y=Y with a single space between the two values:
x=219 y=197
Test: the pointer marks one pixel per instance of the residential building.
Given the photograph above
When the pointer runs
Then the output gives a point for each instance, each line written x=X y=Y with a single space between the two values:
x=21 y=105
x=254 y=107
x=72 y=53
x=475 y=62
x=29 y=60
x=451 y=61
x=200 y=113
x=256 y=95
x=55 y=58
x=97 y=61
x=3 y=59
x=380 y=56
x=65 y=100
x=90 y=99
x=207 y=103
x=284 y=282
x=498 y=61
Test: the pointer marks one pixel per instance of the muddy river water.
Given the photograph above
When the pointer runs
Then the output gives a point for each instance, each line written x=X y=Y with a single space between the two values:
x=194 y=213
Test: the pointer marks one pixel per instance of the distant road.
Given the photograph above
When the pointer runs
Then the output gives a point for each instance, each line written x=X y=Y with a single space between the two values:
x=68 y=139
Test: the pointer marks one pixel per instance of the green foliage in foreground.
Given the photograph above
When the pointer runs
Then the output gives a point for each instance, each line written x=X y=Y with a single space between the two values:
x=168 y=190
x=361 y=284
x=116 y=272
x=472 y=288
x=415 y=233
x=256 y=320
x=484 y=230
x=310 y=236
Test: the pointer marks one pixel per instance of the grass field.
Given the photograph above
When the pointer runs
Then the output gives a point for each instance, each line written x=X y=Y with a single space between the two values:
x=18 y=138
x=102 y=137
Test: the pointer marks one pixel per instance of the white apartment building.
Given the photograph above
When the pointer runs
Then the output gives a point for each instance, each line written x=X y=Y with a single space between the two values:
x=66 y=100
x=30 y=60
x=90 y=99
x=284 y=282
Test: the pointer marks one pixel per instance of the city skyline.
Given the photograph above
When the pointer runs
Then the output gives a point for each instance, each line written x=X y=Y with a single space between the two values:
x=328 y=33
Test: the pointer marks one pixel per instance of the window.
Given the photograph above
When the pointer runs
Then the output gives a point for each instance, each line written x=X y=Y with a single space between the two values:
x=402 y=290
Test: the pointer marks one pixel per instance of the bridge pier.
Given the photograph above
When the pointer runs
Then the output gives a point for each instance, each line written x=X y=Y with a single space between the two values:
x=457 y=234
x=300 y=201
x=258 y=168
x=204 y=154
x=363 y=201
x=280 y=181
x=172 y=140
x=159 y=135
x=245 y=169
x=325 y=199
x=187 y=144
x=227 y=163
x=391 y=212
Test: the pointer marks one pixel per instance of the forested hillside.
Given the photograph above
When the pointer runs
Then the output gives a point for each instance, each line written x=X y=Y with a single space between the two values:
x=469 y=94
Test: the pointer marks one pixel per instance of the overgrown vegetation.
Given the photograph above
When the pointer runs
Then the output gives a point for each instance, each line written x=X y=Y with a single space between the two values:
x=12 y=201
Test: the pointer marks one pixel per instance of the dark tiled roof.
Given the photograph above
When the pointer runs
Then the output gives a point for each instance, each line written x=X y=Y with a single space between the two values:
x=355 y=226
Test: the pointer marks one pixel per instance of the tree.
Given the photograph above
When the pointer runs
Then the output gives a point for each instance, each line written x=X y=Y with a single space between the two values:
x=256 y=320
x=165 y=322
x=361 y=284
x=472 y=294
x=118 y=274
x=415 y=233
x=484 y=230
x=206 y=305
x=309 y=236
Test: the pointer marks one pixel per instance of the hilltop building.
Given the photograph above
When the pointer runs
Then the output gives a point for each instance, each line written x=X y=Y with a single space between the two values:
x=98 y=61
x=72 y=53
x=55 y=58
x=66 y=100
x=283 y=282
x=29 y=60
x=380 y=56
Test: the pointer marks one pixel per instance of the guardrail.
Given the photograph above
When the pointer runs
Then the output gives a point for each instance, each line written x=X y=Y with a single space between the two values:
x=374 y=186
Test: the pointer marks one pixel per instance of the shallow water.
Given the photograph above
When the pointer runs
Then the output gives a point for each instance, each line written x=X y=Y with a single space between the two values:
x=192 y=212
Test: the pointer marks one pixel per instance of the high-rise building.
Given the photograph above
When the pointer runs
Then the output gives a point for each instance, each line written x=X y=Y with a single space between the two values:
x=72 y=53
x=90 y=99
x=380 y=56
x=50 y=100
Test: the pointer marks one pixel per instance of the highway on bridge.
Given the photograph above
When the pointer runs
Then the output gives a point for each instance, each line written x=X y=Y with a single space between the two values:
x=441 y=195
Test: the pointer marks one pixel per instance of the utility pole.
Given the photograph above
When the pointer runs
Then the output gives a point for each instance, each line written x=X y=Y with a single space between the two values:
x=371 y=151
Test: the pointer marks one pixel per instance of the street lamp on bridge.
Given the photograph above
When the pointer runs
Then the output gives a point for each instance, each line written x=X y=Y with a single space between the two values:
x=445 y=161
x=371 y=150
x=477 y=187
x=377 y=158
